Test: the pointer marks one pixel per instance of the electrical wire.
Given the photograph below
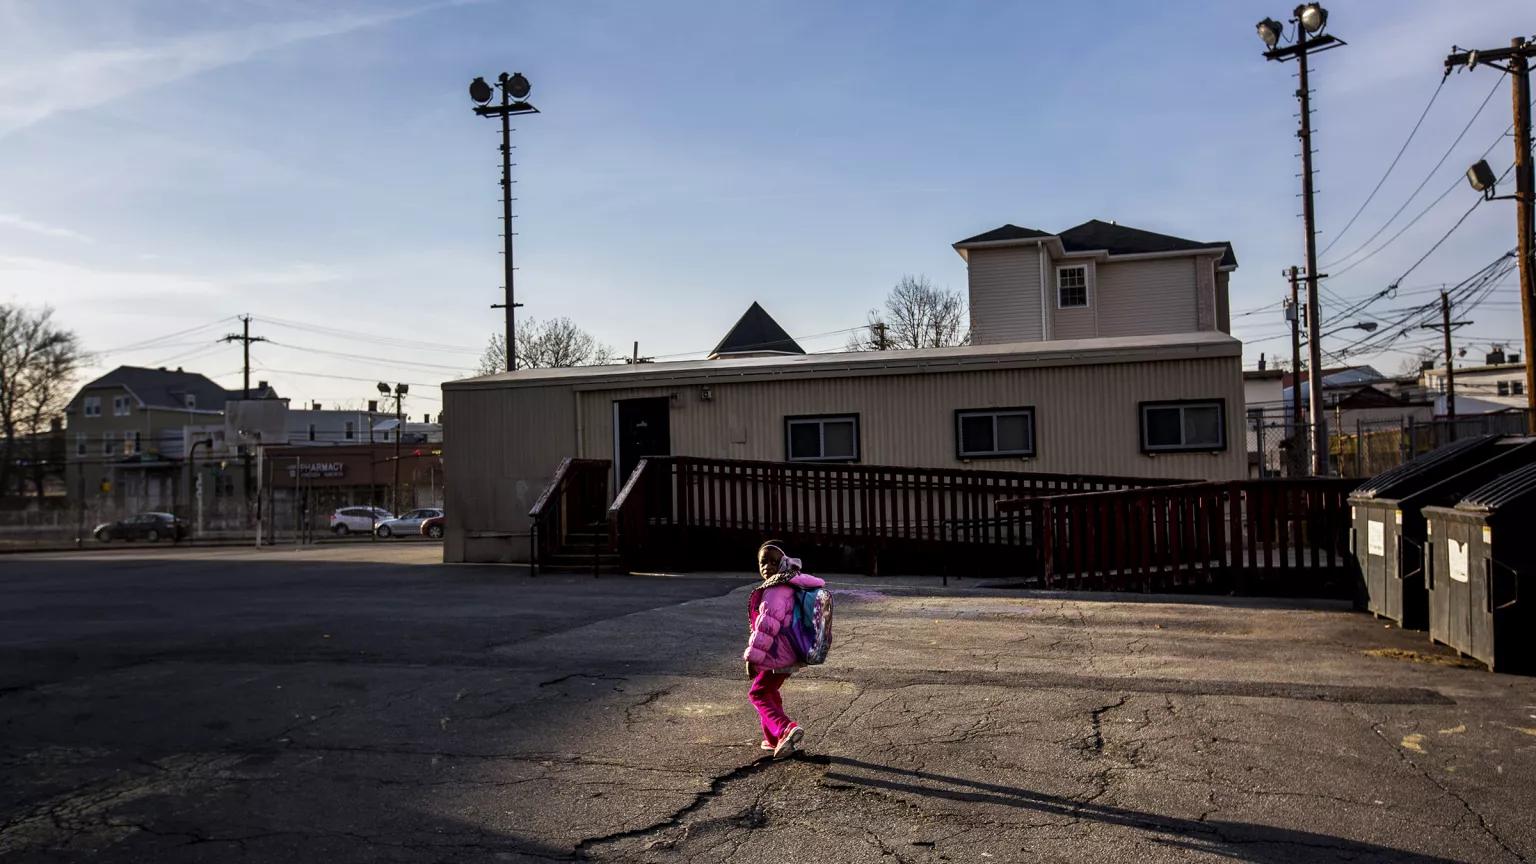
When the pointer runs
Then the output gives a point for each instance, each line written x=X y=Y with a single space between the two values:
x=1395 y=159
x=1427 y=177
x=153 y=342
x=351 y=378
x=371 y=339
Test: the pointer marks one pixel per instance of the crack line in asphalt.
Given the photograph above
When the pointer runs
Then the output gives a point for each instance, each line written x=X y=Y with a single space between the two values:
x=1482 y=821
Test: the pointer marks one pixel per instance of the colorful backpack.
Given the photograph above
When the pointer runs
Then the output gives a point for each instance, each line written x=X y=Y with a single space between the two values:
x=812 y=629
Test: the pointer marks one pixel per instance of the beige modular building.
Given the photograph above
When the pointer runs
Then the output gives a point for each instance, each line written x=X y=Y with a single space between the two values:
x=1101 y=349
x=1072 y=406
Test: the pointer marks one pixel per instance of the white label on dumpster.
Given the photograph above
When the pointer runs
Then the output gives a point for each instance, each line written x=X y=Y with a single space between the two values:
x=1457 y=552
x=1374 y=542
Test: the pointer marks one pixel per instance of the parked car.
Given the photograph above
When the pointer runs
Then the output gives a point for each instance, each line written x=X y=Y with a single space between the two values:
x=406 y=525
x=153 y=527
x=433 y=527
x=362 y=519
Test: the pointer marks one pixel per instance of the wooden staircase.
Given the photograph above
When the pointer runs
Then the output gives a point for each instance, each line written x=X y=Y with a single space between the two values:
x=584 y=549
x=571 y=533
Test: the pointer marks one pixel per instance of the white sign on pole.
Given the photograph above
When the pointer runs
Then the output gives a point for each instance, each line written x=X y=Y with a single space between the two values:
x=1375 y=543
x=1457 y=552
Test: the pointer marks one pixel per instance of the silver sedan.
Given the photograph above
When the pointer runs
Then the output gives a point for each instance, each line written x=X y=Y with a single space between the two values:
x=407 y=524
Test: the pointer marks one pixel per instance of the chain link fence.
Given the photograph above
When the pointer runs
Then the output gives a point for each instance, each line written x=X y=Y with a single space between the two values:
x=1374 y=446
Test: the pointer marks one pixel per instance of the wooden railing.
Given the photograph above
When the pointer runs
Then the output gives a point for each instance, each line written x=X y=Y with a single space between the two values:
x=574 y=498
x=676 y=509
x=1252 y=537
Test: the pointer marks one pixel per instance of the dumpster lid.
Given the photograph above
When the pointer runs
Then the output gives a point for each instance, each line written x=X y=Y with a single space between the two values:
x=1502 y=492
x=1378 y=486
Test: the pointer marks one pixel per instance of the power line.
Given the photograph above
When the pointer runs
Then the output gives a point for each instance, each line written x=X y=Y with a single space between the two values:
x=371 y=339
x=1414 y=131
x=1427 y=178
x=351 y=378
x=154 y=342
x=403 y=365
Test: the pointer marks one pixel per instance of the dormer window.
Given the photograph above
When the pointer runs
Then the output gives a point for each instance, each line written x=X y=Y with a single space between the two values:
x=1072 y=286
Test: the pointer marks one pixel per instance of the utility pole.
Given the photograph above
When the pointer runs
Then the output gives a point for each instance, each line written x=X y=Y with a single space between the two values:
x=636 y=358
x=245 y=338
x=881 y=343
x=1299 y=440
x=1310 y=19
x=1450 y=358
x=399 y=427
x=514 y=89
x=1315 y=344
x=1517 y=59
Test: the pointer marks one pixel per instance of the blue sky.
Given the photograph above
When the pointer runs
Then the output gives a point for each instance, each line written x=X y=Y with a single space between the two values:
x=165 y=165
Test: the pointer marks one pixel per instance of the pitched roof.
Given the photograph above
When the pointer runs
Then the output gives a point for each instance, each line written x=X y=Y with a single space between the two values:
x=1096 y=234
x=755 y=332
x=165 y=388
x=1122 y=240
x=1007 y=232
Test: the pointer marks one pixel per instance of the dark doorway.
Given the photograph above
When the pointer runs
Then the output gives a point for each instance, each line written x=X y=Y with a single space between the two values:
x=641 y=428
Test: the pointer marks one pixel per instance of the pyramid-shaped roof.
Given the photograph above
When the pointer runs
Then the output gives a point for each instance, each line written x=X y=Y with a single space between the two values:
x=756 y=333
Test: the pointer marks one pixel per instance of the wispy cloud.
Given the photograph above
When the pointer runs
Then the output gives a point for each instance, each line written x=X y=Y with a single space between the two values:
x=21 y=223
x=43 y=87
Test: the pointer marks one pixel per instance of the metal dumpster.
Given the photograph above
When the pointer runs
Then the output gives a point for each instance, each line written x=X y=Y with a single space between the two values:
x=1391 y=572
x=1481 y=573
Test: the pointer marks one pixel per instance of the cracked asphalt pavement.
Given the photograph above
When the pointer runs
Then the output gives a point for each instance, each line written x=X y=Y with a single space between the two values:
x=367 y=704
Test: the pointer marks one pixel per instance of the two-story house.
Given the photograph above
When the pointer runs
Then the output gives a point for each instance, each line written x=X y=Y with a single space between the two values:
x=124 y=433
x=1099 y=350
x=1095 y=280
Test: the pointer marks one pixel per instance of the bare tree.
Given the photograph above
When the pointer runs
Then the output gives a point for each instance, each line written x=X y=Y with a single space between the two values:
x=1414 y=364
x=550 y=344
x=38 y=363
x=917 y=314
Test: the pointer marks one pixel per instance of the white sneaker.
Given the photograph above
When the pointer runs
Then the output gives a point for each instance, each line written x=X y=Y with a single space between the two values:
x=789 y=743
x=765 y=745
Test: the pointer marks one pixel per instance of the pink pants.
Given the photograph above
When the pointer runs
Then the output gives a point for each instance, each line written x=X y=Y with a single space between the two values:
x=764 y=695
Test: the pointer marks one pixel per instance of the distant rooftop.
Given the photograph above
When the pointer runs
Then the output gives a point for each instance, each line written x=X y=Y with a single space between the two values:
x=756 y=333
x=169 y=388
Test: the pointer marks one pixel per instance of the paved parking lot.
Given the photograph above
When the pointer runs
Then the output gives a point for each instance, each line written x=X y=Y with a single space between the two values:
x=371 y=705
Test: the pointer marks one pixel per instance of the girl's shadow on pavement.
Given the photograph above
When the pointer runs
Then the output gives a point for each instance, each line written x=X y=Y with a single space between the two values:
x=1263 y=844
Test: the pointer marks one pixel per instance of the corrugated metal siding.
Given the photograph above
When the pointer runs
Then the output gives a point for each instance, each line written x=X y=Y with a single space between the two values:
x=1005 y=294
x=1086 y=416
x=1142 y=297
x=502 y=447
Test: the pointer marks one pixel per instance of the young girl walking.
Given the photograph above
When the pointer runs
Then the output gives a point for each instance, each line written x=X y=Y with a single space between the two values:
x=770 y=654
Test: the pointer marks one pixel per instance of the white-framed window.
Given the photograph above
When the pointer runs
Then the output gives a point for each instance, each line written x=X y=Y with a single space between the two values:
x=82 y=444
x=130 y=443
x=1184 y=425
x=1071 y=286
x=190 y=400
x=994 y=432
x=822 y=438
x=120 y=406
x=108 y=444
x=92 y=406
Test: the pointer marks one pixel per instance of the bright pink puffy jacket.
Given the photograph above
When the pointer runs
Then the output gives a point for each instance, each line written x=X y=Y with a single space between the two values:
x=770 y=612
